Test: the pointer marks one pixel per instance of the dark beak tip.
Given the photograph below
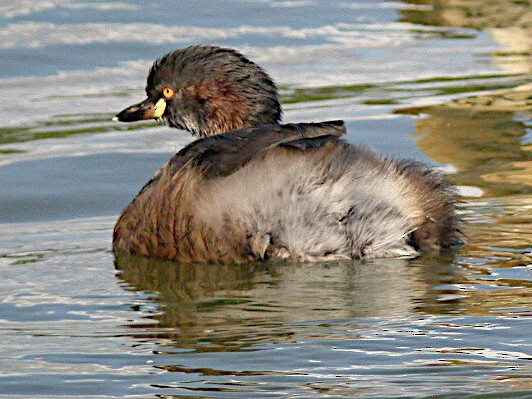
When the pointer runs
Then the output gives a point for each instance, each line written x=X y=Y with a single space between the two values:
x=122 y=116
x=137 y=112
x=130 y=114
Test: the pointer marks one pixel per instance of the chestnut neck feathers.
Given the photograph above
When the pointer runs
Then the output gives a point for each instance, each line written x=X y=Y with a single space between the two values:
x=216 y=90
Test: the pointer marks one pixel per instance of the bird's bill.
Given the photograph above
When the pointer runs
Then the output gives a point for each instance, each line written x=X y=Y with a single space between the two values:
x=147 y=109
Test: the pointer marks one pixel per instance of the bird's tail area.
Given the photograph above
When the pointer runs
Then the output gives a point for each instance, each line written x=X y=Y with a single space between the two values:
x=439 y=223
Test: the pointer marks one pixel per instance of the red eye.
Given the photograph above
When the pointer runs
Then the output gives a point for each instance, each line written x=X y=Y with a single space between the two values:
x=167 y=92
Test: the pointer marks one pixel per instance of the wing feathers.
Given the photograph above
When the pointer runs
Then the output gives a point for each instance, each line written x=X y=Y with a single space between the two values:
x=223 y=154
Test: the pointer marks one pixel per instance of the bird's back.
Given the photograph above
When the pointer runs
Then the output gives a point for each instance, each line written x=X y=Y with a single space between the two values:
x=286 y=191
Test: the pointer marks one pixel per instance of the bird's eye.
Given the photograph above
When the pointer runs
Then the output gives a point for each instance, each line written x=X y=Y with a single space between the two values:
x=167 y=92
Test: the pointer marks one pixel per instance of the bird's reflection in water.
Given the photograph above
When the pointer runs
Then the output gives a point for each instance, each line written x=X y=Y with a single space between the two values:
x=229 y=307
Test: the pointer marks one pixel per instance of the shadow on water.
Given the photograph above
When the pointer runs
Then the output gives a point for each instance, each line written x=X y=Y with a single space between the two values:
x=331 y=328
x=245 y=304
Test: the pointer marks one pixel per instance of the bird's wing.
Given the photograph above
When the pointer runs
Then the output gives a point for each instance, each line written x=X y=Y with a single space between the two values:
x=223 y=154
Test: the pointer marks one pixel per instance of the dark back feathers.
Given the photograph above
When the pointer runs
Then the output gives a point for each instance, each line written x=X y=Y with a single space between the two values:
x=224 y=154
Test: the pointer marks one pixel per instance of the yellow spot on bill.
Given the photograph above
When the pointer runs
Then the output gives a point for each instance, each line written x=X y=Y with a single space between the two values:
x=160 y=106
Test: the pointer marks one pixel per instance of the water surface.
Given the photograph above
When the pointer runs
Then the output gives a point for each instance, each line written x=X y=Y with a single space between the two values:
x=410 y=80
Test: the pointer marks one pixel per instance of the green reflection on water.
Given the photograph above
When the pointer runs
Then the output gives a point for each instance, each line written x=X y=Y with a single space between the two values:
x=299 y=95
x=82 y=124
x=486 y=82
x=389 y=93
x=11 y=151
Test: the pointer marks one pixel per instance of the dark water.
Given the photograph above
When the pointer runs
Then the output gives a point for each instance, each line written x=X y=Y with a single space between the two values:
x=76 y=322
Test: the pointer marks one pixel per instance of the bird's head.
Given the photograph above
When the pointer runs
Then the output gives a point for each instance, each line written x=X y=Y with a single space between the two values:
x=207 y=90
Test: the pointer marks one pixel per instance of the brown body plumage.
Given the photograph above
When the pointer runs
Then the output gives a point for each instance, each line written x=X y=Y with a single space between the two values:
x=252 y=189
